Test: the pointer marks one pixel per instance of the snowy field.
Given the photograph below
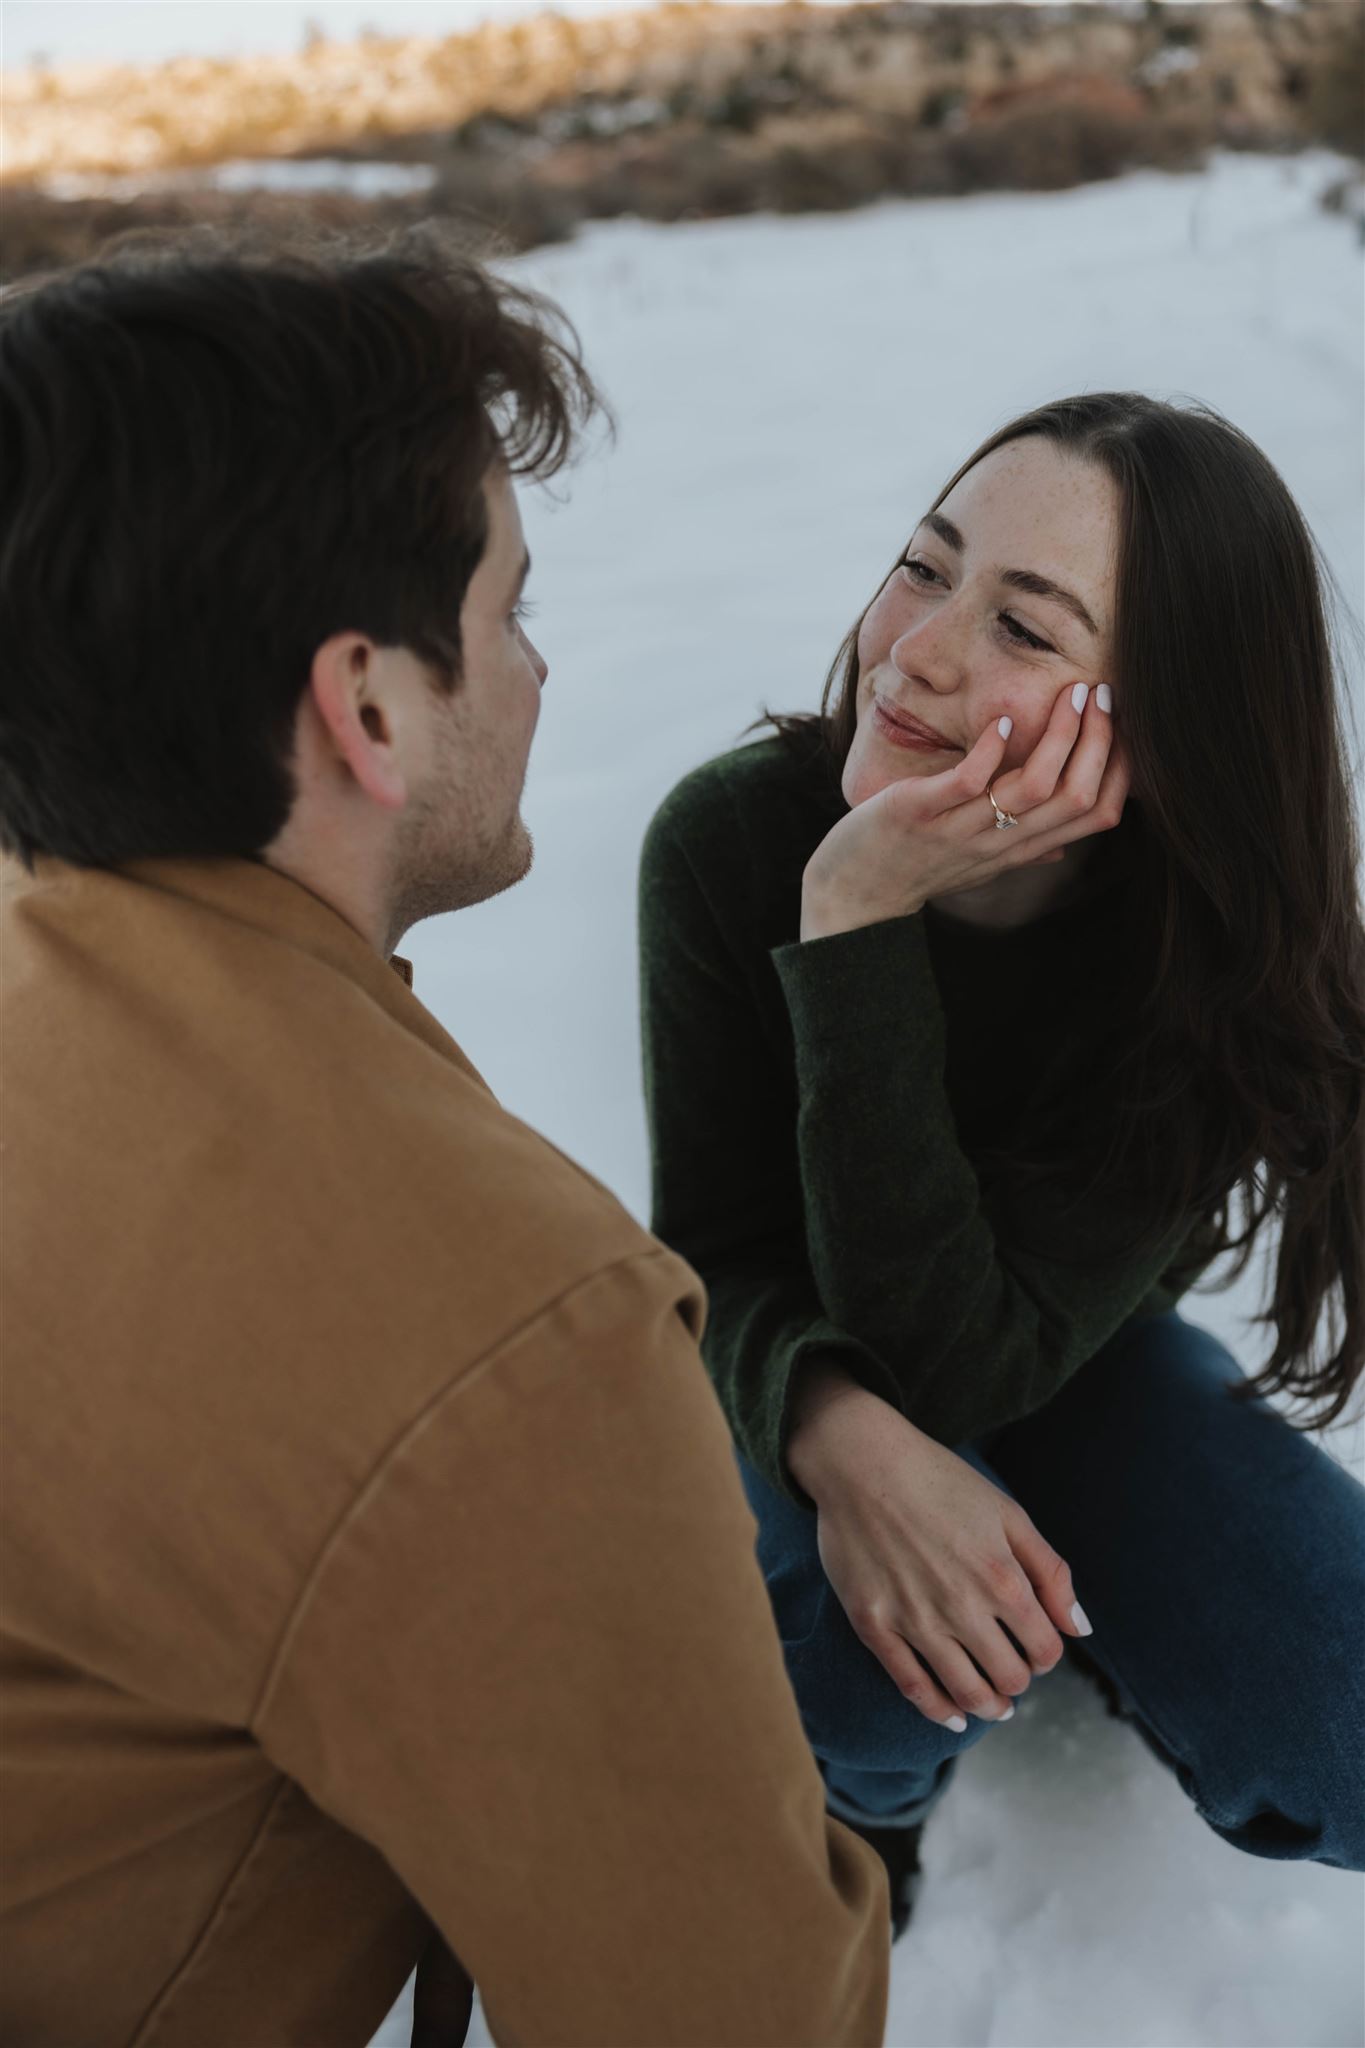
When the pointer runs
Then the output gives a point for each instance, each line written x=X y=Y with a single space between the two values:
x=790 y=394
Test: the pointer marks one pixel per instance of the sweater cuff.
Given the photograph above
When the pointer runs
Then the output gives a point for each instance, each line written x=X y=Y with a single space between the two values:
x=846 y=1356
x=876 y=981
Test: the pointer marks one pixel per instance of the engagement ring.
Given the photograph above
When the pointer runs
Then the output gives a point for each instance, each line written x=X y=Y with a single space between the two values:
x=1003 y=819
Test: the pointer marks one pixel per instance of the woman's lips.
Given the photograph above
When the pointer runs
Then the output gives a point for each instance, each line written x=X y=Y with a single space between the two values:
x=903 y=731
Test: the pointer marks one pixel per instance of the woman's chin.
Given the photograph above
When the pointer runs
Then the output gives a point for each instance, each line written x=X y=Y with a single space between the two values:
x=863 y=778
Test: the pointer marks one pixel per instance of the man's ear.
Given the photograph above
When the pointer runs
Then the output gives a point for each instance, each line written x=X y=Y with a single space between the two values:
x=346 y=686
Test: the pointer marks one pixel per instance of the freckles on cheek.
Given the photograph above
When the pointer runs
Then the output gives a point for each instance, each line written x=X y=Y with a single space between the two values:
x=1030 y=715
x=876 y=632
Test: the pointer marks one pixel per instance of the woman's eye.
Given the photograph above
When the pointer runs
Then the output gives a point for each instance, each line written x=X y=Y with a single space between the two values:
x=524 y=609
x=1022 y=636
x=920 y=572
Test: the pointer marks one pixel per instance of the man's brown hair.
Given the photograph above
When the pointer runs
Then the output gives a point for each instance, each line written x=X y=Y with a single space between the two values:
x=214 y=459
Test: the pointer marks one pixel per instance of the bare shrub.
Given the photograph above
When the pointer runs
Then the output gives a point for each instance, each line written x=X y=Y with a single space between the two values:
x=1047 y=148
x=838 y=173
x=42 y=234
x=1334 y=95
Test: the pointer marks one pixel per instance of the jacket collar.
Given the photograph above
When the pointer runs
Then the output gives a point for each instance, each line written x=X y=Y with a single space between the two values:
x=247 y=892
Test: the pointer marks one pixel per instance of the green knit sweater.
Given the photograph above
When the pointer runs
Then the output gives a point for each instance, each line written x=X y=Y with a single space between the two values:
x=819 y=1115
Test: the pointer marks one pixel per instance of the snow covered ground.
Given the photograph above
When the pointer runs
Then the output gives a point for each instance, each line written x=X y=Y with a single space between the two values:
x=790 y=394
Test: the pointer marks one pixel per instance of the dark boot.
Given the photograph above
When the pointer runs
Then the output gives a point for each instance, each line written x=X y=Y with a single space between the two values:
x=899 y=1851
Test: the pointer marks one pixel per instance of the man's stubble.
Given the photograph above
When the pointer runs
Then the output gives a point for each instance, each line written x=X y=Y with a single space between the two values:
x=464 y=838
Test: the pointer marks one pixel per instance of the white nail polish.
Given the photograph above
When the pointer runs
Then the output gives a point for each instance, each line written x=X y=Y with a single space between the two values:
x=1078 y=696
x=1079 y=1621
x=957 y=1723
x=1104 y=697
x=1008 y=1714
x=1005 y=728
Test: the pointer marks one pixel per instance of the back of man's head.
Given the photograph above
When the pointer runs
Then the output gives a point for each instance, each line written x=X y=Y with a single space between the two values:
x=213 y=461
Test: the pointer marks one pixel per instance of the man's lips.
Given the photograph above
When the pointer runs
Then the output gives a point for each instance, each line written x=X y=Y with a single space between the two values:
x=904 y=731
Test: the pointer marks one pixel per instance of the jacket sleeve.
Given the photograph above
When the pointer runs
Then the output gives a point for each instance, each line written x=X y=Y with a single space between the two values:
x=537 y=1669
x=818 y=1186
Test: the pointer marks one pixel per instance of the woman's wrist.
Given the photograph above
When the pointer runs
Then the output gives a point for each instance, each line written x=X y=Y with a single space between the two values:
x=826 y=1407
x=825 y=912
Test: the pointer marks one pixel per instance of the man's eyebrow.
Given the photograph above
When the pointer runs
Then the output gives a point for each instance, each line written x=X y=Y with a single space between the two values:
x=1018 y=579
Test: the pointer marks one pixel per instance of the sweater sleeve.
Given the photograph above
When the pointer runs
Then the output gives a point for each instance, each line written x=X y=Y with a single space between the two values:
x=818 y=1185
x=976 y=1330
x=725 y=1175
x=536 y=1668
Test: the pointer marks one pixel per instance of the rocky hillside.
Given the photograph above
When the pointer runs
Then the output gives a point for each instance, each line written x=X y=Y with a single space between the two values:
x=687 y=109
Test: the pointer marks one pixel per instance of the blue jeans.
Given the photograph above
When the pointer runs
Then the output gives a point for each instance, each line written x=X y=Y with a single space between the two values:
x=1218 y=1552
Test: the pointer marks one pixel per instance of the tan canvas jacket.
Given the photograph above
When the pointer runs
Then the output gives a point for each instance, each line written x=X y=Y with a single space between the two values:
x=373 y=1552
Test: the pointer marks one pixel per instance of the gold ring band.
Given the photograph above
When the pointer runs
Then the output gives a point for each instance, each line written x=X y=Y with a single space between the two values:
x=1003 y=819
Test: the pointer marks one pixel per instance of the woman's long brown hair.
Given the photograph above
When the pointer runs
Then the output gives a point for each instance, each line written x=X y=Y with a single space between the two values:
x=1240 y=1062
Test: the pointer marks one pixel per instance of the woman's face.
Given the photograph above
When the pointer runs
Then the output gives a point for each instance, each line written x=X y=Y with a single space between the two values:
x=1005 y=597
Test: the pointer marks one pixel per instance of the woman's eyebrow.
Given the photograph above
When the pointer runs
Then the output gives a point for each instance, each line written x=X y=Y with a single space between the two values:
x=1043 y=586
x=945 y=530
x=1018 y=579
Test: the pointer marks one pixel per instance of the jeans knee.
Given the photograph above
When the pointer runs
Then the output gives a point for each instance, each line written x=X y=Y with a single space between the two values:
x=1306 y=1803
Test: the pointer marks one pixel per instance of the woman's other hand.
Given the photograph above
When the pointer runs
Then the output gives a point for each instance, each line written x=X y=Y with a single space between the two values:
x=942 y=1576
x=933 y=835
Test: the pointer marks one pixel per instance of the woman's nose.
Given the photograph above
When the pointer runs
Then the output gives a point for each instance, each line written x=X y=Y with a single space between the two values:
x=934 y=650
